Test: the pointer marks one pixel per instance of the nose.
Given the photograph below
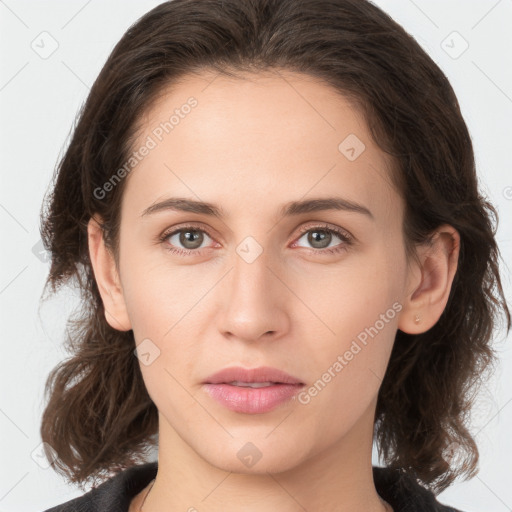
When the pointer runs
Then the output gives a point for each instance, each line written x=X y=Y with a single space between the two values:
x=254 y=299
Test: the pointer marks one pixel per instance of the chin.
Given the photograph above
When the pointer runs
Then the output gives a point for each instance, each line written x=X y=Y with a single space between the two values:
x=254 y=457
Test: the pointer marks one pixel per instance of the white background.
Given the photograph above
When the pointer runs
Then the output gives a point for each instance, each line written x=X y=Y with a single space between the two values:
x=39 y=99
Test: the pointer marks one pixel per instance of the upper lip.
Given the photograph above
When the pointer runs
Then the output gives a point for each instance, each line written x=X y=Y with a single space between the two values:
x=261 y=374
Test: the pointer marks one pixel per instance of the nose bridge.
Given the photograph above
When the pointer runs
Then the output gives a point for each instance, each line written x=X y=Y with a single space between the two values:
x=251 y=275
x=251 y=306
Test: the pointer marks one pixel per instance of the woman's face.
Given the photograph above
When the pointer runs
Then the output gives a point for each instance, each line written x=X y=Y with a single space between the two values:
x=264 y=283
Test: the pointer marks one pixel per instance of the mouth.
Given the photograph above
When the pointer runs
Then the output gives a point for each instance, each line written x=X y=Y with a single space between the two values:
x=252 y=391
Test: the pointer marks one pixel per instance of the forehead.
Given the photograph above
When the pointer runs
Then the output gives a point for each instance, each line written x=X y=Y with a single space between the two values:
x=267 y=137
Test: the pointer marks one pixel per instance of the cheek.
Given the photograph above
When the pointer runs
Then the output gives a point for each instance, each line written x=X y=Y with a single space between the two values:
x=347 y=367
x=163 y=318
x=344 y=299
x=150 y=310
x=154 y=293
x=351 y=328
x=163 y=304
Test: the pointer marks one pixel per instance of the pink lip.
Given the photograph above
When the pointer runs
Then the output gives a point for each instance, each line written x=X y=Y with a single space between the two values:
x=252 y=400
x=261 y=374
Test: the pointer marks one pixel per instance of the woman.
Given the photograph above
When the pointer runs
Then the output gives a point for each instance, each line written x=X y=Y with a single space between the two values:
x=271 y=209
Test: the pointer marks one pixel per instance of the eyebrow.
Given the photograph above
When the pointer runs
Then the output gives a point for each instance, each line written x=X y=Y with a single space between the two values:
x=289 y=209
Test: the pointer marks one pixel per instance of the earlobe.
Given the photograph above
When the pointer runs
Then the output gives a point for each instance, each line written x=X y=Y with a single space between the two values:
x=430 y=282
x=107 y=277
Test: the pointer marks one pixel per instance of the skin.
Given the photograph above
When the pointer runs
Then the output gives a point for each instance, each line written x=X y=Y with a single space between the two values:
x=249 y=146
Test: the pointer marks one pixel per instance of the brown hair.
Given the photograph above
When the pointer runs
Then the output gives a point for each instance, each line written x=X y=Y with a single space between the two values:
x=99 y=417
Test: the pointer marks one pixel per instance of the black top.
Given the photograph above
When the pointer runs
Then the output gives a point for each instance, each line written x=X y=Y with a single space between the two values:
x=114 y=495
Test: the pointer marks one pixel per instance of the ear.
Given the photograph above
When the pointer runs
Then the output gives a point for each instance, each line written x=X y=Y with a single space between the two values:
x=430 y=281
x=107 y=278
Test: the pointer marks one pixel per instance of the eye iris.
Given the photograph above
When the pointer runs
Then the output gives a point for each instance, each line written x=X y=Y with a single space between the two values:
x=319 y=236
x=196 y=238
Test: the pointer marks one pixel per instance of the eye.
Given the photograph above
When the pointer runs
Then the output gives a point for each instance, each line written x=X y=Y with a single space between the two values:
x=191 y=237
x=320 y=238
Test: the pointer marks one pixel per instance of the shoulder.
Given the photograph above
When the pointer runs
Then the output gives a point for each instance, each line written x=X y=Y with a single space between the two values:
x=405 y=494
x=113 y=495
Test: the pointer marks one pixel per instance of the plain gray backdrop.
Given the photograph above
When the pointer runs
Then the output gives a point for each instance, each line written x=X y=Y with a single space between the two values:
x=51 y=53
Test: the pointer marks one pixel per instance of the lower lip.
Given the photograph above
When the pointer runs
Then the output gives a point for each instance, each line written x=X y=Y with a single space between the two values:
x=252 y=400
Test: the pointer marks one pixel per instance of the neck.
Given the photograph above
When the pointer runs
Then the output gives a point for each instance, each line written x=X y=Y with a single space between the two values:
x=337 y=478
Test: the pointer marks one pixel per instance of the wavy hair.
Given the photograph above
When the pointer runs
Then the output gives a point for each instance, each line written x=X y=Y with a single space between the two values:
x=99 y=417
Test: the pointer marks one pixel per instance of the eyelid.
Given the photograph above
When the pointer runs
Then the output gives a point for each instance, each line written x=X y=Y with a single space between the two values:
x=176 y=229
x=330 y=227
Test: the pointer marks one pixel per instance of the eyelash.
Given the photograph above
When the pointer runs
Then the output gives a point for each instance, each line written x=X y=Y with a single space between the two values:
x=345 y=237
